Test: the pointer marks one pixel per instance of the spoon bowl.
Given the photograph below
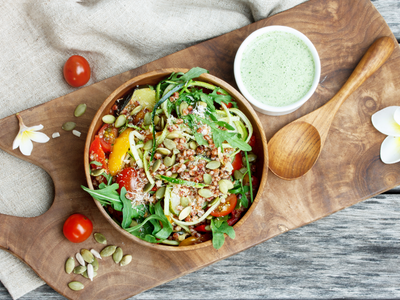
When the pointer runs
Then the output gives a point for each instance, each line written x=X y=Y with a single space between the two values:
x=295 y=148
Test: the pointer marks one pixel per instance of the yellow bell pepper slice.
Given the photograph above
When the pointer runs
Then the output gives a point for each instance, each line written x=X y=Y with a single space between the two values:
x=117 y=155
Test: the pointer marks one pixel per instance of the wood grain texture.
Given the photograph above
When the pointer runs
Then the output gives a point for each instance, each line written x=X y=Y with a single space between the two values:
x=337 y=79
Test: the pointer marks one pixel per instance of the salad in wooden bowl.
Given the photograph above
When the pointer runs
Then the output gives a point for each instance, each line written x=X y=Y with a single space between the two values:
x=176 y=159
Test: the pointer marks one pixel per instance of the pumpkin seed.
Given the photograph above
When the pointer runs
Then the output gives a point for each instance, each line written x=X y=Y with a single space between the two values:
x=212 y=203
x=160 y=193
x=251 y=157
x=95 y=264
x=95 y=253
x=205 y=193
x=182 y=107
x=207 y=178
x=237 y=175
x=148 y=145
x=101 y=239
x=117 y=255
x=169 y=161
x=174 y=175
x=136 y=110
x=174 y=135
x=69 y=265
x=243 y=170
x=202 y=103
x=85 y=274
x=214 y=164
x=193 y=145
x=80 y=110
x=147 y=119
x=133 y=223
x=79 y=269
x=90 y=272
x=125 y=260
x=225 y=185
x=156 y=165
x=184 y=201
x=87 y=255
x=80 y=259
x=68 y=126
x=108 y=251
x=108 y=119
x=75 y=286
x=156 y=120
x=120 y=121
x=169 y=144
x=147 y=188
x=185 y=212
x=162 y=123
x=163 y=151
x=97 y=172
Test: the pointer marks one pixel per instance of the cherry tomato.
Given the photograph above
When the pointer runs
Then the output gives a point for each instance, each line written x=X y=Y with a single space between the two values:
x=237 y=163
x=76 y=71
x=77 y=228
x=192 y=240
x=202 y=228
x=235 y=216
x=127 y=178
x=252 y=141
x=225 y=208
x=107 y=135
x=254 y=180
x=228 y=105
x=96 y=153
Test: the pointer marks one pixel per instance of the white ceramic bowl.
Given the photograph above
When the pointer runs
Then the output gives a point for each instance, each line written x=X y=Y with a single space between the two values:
x=268 y=109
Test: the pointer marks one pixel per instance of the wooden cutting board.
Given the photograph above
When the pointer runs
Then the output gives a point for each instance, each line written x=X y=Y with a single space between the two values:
x=348 y=171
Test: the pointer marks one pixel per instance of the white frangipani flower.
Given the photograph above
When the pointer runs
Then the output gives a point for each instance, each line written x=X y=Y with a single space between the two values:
x=387 y=121
x=26 y=135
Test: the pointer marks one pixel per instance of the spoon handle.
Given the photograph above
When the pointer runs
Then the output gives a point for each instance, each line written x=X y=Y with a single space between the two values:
x=372 y=60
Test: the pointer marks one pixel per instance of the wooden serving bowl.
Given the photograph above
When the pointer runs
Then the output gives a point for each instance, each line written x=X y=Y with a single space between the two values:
x=153 y=78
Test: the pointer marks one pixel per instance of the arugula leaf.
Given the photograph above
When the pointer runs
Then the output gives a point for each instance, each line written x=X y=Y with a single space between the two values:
x=192 y=73
x=156 y=231
x=127 y=210
x=218 y=229
x=96 y=163
x=219 y=95
x=181 y=181
x=224 y=124
x=236 y=141
x=106 y=195
x=207 y=99
x=200 y=139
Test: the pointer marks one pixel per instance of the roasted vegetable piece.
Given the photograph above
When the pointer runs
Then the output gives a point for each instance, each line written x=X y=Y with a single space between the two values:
x=120 y=148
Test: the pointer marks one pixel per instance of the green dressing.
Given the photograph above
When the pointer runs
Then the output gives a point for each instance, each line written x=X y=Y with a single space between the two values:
x=277 y=68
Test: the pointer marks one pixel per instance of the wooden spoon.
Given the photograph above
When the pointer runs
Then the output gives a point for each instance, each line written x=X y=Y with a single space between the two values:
x=295 y=148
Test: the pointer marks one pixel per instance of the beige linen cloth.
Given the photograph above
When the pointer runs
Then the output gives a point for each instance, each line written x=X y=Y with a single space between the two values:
x=37 y=37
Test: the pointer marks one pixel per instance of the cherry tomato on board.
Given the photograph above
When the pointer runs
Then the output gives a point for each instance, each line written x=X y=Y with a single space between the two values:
x=225 y=208
x=127 y=178
x=76 y=71
x=237 y=162
x=77 y=228
x=107 y=135
x=96 y=153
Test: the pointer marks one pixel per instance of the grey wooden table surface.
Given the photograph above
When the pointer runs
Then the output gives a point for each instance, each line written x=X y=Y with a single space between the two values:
x=354 y=253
